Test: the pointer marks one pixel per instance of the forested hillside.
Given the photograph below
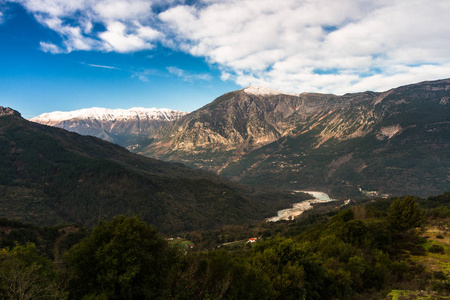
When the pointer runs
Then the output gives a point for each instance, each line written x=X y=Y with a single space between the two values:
x=49 y=176
x=384 y=249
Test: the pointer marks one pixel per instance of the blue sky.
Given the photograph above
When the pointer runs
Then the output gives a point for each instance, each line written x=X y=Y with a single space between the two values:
x=66 y=55
x=33 y=81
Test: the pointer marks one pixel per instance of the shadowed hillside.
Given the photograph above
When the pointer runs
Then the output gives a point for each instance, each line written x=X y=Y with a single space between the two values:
x=52 y=176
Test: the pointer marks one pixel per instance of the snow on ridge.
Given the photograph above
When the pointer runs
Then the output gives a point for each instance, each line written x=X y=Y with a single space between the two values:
x=264 y=91
x=105 y=114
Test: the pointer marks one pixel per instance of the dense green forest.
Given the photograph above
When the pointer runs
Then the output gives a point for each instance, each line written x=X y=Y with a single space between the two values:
x=383 y=249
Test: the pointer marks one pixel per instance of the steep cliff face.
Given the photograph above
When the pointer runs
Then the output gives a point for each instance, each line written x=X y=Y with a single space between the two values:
x=126 y=127
x=234 y=124
x=227 y=124
x=242 y=121
x=268 y=137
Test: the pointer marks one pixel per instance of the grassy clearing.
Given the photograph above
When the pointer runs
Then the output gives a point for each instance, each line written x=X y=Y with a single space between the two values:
x=181 y=243
x=437 y=264
x=436 y=235
x=419 y=295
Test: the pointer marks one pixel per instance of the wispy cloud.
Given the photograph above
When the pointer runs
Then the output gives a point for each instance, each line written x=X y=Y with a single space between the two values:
x=188 y=76
x=295 y=45
x=104 y=67
x=141 y=75
x=51 y=48
x=5 y=14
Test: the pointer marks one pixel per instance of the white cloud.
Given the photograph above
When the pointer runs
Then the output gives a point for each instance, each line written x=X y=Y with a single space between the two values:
x=58 y=8
x=141 y=76
x=104 y=67
x=117 y=39
x=147 y=33
x=322 y=45
x=294 y=45
x=49 y=47
x=125 y=22
x=188 y=76
x=399 y=75
x=5 y=13
x=123 y=9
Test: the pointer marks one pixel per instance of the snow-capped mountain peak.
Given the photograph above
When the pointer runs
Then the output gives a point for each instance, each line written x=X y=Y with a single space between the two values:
x=105 y=114
x=126 y=127
x=264 y=91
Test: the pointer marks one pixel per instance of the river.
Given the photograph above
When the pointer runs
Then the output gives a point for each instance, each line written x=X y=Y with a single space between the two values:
x=299 y=208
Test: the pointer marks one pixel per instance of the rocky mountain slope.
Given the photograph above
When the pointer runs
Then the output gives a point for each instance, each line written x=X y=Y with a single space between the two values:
x=125 y=127
x=230 y=126
x=394 y=142
x=52 y=176
x=5 y=111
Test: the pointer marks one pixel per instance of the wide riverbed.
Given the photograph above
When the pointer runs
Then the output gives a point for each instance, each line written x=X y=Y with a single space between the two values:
x=299 y=208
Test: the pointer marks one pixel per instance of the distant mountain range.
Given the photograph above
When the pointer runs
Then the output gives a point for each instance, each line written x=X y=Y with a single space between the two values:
x=395 y=142
x=52 y=176
x=125 y=127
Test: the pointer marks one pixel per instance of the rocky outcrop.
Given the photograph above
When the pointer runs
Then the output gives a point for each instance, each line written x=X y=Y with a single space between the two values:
x=242 y=121
x=6 y=111
x=239 y=122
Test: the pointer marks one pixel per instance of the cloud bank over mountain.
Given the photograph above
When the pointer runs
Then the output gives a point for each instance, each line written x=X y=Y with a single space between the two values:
x=321 y=45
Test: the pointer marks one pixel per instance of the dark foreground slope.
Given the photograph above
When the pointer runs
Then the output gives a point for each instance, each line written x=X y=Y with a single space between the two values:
x=52 y=176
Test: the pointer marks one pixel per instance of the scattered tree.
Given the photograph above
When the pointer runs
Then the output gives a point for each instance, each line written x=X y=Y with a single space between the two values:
x=405 y=213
